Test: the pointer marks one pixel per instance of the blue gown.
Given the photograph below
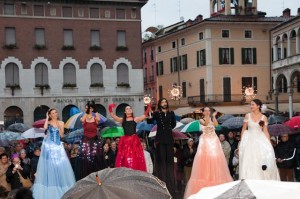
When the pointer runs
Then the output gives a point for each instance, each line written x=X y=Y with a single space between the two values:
x=54 y=174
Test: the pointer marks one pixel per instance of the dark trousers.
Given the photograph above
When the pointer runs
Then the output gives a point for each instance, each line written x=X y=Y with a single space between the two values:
x=165 y=165
x=286 y=174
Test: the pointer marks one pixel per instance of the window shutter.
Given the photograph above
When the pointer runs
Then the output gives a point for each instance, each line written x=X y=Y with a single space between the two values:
x=284 y=53
x=243 y=56
x=157 y=69
x=272 y=56
x=232 y=56
x=254 y=56
x=121 y=38
x=10 y=36
x=68 y=37
x=162 y=67
x=171 y=65
x=198 y=58
x=255 y=84
x=204 y=57
x=95 y=38
x=220 y=56
x=180 y=62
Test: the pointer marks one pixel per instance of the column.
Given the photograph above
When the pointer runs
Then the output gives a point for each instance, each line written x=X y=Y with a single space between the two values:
x=275 y=52
x=282 y=48
x=297 y=43
x=291 y=91
x=276 y=101
x=289 y=50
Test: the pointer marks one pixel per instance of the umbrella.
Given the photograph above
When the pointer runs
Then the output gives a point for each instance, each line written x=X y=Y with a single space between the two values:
x=233 y=123
x=144 y=126
x=4 y=143
x=75 y=123
x=17 y=127
x=175 y=133
x=39 y=123
x=251 y=189
x=108 y=123
x=294 y=122
x=223 y=118
x=112 y=132
x=221 y=129
x=74 y=136
x=279 y=129
x=187 y=120
x=34 y=133
x=277 y=119
x=192 y=127
x=10 y=136
x=73 y=111
x=118 y=183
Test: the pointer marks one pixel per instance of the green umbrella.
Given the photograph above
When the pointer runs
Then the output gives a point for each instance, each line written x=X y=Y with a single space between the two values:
x=112 y=132
x=192 y=127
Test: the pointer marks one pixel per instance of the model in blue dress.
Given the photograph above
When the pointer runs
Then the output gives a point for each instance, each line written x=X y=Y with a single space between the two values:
x=54 y=174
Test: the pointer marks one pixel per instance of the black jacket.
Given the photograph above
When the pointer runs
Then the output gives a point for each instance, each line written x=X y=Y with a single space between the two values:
x=13 y=178
x=188 y=158
x=165 y=124
x=33 y=164
x=107 y=160
x=285 y=150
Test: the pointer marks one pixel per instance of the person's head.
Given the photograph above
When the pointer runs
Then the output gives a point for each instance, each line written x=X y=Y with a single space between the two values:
x=190 y=142
x=284 y=137
x=53 y=114
x=230 y=135
x=4 y=158
x=163 y=104
x=2 y=150
x=222 y=137
x=23 y=154
x=144 y=145
x=24 y=193
x=238 y=136
x=113 y=145
x=256 y=105
x=18 y=148
x=108 y=141
x=117 y=141
x=206 y=111
x=106 y=147
x=37 y=151
x=15 y=159
x=128 y=111
x=89 y=107
x=75 y=149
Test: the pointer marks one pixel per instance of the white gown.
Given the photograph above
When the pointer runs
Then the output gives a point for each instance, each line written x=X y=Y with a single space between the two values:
x=255 y=150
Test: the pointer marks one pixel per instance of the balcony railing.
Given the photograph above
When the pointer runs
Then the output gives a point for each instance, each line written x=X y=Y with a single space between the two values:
x=214 y=99
x=289 y=61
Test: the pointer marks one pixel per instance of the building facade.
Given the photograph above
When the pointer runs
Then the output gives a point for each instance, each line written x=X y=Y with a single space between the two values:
x=217 y=60
x=286 y=62
x=64 y=53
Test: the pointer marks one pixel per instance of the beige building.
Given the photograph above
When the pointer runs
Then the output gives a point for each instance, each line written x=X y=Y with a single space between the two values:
x=286 y=63
x=219 y=57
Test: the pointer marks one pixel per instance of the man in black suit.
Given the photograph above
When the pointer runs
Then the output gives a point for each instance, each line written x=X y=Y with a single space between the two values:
x=165 y=121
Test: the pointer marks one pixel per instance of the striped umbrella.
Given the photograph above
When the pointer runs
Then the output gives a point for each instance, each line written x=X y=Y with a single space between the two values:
x=75 y=123
x=279 y=129
x=192 y=127
x=233 y=123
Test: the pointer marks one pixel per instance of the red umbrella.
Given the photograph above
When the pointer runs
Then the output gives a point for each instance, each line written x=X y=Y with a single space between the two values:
x=39 y=123
x=294 y=122
x=177 y=135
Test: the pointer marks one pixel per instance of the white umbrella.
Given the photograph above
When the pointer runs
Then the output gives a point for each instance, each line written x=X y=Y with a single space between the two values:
x=34 y=133
x=249 y=189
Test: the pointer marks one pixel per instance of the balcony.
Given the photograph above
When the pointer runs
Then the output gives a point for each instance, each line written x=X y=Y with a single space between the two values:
x=215 y=99
x=151 y=78
x=286 y=62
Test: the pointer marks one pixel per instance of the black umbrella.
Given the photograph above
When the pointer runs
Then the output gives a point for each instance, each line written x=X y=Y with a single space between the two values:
x=277 y=119
x=17 y=127
x=224 y=118
x=118 y=183
x=233 y=123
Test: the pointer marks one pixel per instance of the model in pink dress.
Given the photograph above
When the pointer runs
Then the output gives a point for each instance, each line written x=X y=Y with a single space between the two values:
x=210 y=166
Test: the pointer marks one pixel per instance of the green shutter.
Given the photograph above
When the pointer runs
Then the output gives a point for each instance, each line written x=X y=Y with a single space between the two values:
x=186 y=62
x=254 y=55
x=162 y=67
x=180 y=63
x=243 y=56
x=198 y=58
x=232 y=56
x=204 y=57
x=171 y=65
x=220 y=56
x=157 y=69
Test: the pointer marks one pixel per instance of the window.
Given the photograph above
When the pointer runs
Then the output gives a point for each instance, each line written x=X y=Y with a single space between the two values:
x=94 y=12
x=159 y=49
x=67 y=12
x=96 y=74
x=160 y=68
x=145 y=75
x=173 y=65
x=121 y=38
x=24 y=9
x=12 y=74
x=248 y=34
x=38 y=10
x=133 y=13
x=249 y=82
x=9 y=9
x=53 y=11
x=182 y=41
x=95 y=38
x=122 y=74
x=40 y=36
x=183 y=89
x=226 y=56
x=68 y=38
x=80 y=12
x=69 y=74
x=248 y=55
x=173 y=44
x=107 y=13
x=201 y=36
x=225 y=33
x=145 y=56
x=183 y=60
x=151 y=54
x=10 y=36
x=201 y=58
x=120 y=13
x=41 y=75
x=160 y=92
x=152 y=74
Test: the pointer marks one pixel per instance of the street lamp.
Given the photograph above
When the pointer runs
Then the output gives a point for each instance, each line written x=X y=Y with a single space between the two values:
x=175 y=93
x=249 y=92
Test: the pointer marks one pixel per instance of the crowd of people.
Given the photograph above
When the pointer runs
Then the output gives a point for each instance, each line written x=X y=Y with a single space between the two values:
x=185 y=165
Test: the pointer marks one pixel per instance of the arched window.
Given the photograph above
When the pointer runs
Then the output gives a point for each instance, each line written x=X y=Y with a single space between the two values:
x=66 y=112
x=281 y=84
x=13 y=114
x=100 y=109
x=69 y=72
x=41 y=75
x=12 y=75
x=40 y=112
x=122 y=74
x=96 y=75
x=121 y=109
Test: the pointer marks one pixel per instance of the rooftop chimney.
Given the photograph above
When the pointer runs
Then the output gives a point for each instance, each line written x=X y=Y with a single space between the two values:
x=286 y=13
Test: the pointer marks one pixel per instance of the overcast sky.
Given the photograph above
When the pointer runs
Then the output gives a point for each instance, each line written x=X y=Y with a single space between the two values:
x=166 y=12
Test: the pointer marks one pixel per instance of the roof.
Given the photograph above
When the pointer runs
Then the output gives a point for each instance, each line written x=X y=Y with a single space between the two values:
x=247 y=18
x=286 y=22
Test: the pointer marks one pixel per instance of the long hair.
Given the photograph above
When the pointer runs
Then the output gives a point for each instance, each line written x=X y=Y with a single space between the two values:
x=259 y=103
x=159 y=107
x=90 y=104
x=125 y=116
x=49 y=111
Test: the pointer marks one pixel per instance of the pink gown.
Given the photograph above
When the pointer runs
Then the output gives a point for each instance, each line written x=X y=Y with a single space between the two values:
x=210 y=166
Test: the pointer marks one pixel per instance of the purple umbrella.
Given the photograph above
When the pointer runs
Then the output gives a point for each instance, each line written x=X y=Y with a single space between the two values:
x=279 y=129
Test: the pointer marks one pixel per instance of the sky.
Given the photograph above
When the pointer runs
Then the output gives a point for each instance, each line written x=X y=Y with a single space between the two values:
x=166 y=12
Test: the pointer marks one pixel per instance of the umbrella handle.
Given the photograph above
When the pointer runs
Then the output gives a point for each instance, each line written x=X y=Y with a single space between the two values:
x=98 y=180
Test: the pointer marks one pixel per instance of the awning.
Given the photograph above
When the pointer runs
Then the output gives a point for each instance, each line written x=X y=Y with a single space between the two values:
x=284 y=107
x=233 y=110
x=184 y=110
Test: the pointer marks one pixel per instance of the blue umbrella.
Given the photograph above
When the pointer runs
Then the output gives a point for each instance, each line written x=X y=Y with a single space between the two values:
x=108 y=123
x=233 y=123
x=223 y=118
x=10 y=136
x=74 y=136
x=144 y=126
x=73 y=111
